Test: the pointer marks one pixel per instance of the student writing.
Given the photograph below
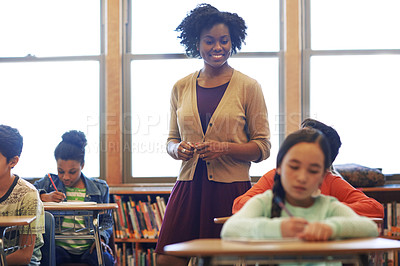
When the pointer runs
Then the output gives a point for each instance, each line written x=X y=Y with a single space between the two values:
x=333 y=184
x=302 y=163
x=72 y=185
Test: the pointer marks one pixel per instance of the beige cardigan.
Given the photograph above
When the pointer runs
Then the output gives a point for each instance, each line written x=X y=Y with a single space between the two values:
x=240 y=117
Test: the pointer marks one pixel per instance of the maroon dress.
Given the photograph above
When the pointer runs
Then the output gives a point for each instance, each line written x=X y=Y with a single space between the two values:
x=193 y=205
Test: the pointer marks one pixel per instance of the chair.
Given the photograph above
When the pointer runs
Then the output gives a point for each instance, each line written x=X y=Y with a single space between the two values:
x=49 y=248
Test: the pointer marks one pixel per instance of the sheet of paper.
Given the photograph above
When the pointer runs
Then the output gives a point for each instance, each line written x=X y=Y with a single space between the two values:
x=271 y=240
x=80 y=203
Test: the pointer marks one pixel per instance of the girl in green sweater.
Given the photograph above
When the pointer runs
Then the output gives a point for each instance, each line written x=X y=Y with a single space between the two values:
x=302 y=163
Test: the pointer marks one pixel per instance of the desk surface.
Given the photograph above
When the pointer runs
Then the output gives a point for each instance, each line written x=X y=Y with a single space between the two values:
x=214 y=247
x=16 y=220
x=65 y=206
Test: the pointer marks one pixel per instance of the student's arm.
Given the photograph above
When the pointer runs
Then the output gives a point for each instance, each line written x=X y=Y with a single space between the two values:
x=46 y=190
x=352 y=197
x=23 y=256
x=347 y=224
x=252 y=221
x=264 y=183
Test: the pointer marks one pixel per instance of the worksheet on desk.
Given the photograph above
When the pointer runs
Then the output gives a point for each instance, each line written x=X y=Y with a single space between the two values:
x=270 y=240
x=69 y=203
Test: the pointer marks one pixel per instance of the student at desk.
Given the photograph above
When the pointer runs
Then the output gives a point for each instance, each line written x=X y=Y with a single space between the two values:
x=291 y=208
x=72 y=185
x=19 y=198
x=333 y=184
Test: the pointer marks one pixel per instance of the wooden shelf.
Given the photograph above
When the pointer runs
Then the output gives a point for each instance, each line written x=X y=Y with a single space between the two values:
x=383 y=194
x=391 y=187
x=139 y=189
x=134 y=240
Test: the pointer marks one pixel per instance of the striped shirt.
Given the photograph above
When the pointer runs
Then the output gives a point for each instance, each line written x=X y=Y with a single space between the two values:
x=73 y=224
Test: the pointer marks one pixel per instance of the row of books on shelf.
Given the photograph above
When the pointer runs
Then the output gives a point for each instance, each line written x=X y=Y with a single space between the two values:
x=383 y=258
x=391 y=222
x=140 y=258
x=138 y=219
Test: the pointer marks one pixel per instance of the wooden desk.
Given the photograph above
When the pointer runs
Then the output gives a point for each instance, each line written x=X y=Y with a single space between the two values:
x=211 y=250
x=82 y=209
x=6 y=221
x=8 y=224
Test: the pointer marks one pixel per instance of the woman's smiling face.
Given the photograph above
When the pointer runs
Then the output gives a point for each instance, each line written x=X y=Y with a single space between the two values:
x=215 y=45
x=302 y=172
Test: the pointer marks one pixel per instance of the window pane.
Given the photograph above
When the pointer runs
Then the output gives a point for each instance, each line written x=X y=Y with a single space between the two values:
x=358 y=96
x=356 y=24
x=150 y=119
x=42 y=103
x=49 y=28
x=153 y=32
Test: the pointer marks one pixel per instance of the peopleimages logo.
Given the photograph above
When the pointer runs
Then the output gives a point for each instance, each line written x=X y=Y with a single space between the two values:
x=156 y=126
x=153 y=147
x=139 y=124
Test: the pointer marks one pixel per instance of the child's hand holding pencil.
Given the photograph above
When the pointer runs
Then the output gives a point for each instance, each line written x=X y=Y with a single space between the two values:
x=55 y=196
x=293 y=226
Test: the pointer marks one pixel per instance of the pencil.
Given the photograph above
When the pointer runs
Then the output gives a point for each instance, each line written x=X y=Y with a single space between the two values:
x=49 y=175
x=283 y=207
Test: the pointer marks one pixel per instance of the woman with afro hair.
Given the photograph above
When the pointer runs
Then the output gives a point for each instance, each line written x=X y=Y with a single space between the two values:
x=218 y=127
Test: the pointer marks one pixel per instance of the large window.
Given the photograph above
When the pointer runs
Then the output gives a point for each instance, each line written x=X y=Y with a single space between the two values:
x=50 y=78
x=351 y=81
x=154 y=60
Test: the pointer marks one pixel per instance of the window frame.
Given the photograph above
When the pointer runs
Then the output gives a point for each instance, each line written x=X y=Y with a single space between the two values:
x=102 y=71
x=308 y=52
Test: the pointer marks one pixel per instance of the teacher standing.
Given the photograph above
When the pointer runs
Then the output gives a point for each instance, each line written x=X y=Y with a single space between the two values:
x=218 y=126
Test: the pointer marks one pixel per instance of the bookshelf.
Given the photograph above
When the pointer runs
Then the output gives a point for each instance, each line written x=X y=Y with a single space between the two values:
x=388 y=195
x=383 y=194
x=138 y=247
x=141 y=192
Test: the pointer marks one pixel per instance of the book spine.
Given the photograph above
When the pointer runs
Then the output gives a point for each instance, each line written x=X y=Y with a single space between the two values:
x=129 y=224
x=160 y=206
x=117 y=225
x=146 y=216
x=157 y=215
x=117 y=199
x=132 y=214
x=123 y=220
x=389 y=218
x=151 y=215
x=141 y=221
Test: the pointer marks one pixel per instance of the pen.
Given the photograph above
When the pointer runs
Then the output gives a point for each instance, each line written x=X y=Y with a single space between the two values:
x=283 y=207
x=52 y=182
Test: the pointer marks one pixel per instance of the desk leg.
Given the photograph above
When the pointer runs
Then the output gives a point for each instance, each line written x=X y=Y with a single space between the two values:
x=204 y=261
x=364 y=259
x=3 y=261
x=97 y=238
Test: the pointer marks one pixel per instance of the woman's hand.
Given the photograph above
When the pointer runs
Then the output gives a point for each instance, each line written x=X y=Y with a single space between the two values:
x=293 y=226
x=211 y=150
x=316 y=231
x=184 y=150
x=54 y=196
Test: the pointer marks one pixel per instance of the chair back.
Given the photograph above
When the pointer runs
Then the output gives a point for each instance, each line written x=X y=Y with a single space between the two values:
x=49 y=248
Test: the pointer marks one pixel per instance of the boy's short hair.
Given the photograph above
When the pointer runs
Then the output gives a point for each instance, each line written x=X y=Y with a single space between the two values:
x=11 y=142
